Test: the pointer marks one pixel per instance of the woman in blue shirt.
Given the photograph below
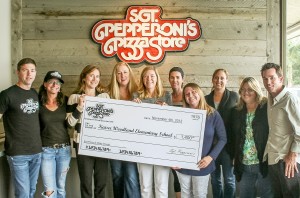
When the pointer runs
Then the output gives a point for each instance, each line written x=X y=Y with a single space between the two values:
x=194 y=183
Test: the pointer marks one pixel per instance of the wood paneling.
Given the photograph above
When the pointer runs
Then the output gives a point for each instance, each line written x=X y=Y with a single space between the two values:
x=237 y=36
x=273 y=31
x=173 y=3
x=100 y=12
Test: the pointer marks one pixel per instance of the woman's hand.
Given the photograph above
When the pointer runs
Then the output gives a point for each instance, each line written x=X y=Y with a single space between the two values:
x=137 y=100
x=81 y=100
x=161 y=103
x=204 y=162
x=175 y=167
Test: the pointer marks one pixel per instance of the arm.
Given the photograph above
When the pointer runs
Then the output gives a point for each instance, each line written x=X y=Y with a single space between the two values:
x=168 y=98
x=294 y=117
x=135 y=98
x=4 y=102
x=165 y=100
x=220 y=134
x=231 y=133
x=74 y=109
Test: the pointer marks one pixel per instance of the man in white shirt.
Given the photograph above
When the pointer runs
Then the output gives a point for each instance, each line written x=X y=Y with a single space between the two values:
x=283 y=146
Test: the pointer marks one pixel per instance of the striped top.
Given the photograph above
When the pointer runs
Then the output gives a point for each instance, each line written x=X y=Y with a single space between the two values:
x=74 y=113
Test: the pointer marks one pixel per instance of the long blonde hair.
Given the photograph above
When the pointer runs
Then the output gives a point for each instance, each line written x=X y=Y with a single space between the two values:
x=202 y=103
x=159 y=91
x=114 y=87
x=81 y=82
x=254 y=85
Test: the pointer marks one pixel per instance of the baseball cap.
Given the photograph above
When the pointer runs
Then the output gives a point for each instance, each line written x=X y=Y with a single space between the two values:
x=53 y=74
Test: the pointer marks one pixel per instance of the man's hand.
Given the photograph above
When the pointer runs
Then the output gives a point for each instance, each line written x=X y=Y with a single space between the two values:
x=290 y=164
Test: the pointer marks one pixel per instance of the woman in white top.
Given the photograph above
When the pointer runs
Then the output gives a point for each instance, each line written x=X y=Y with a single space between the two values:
x=151 y=91
x=89 y=167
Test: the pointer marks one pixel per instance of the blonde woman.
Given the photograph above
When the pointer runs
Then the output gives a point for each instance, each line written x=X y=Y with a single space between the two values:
x=90 y=168
x=151 y=91
x=250 y=127
x=194 y=183
x=124 y=174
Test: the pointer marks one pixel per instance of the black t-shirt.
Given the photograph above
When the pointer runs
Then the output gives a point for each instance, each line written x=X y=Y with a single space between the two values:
x=54 y=126
x=20 y=109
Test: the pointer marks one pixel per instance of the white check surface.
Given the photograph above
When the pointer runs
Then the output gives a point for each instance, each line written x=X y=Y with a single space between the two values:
x=144 y=133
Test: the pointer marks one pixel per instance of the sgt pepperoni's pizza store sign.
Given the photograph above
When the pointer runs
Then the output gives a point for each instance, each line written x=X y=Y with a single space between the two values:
x=144 y=36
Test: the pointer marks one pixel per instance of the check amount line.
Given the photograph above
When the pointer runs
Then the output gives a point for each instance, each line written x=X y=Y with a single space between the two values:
x=144 y=157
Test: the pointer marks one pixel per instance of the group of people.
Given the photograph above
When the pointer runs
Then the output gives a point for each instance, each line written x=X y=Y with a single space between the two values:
x=249 y=138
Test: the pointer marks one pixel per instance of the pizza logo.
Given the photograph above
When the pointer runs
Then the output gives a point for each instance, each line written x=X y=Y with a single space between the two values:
x=144 y=36
x=30 y=106
x=99 y=111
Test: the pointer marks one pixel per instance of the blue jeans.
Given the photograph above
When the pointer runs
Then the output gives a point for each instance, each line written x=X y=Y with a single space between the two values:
x=25 y=171
x=125 y=179
x=253 y=184
x=54 y=169
x=229 y=178
x=282 y=185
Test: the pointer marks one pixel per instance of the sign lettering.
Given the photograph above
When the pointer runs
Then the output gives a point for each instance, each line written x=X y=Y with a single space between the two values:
x=144 y=36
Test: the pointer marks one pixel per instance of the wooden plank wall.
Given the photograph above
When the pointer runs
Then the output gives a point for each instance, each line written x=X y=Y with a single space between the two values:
x=238 y=35
x=56 y=34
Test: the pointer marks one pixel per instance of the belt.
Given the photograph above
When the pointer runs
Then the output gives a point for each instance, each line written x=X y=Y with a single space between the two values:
x=57 y=146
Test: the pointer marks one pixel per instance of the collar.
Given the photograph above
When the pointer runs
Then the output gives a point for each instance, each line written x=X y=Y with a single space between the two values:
x=280 y=95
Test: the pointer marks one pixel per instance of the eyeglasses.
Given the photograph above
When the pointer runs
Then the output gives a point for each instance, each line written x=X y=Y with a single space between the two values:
x=247 y=90
x=54 y=82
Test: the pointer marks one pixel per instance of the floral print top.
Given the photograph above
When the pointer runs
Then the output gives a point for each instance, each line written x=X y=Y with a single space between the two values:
x=249 y=150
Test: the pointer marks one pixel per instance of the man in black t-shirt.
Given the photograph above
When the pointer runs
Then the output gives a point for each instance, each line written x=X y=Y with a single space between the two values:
x=20 y=110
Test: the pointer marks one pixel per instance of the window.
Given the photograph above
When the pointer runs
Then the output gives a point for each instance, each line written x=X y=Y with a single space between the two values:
x=291 y=45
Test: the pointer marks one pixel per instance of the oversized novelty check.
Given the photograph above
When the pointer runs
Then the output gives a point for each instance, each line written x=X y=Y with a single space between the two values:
x=144 y=133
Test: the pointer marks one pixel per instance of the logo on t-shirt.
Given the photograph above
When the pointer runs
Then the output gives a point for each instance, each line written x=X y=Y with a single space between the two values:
x=30 y=106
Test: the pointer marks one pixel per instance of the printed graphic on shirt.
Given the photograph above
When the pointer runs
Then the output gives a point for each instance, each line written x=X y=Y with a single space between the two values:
x=30 y=106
